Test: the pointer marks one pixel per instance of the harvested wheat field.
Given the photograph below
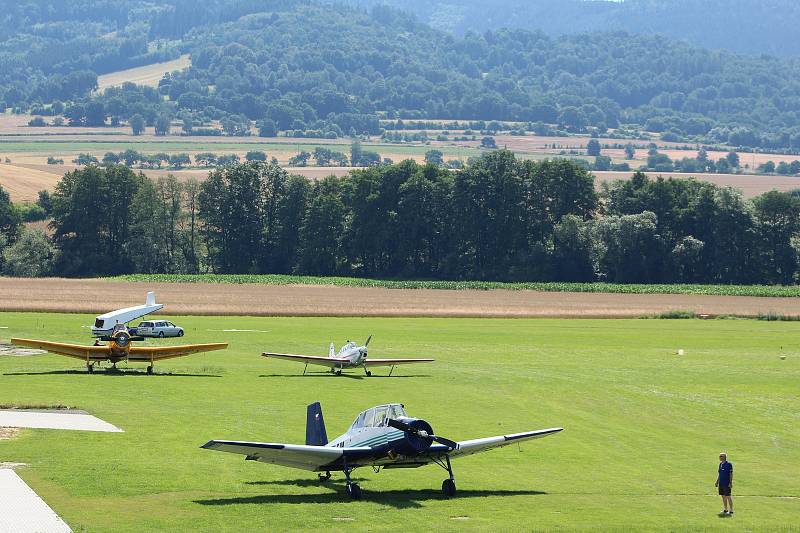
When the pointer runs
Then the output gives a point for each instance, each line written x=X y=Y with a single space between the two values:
x=23 y=184
x=750 y=185
x=148 y=75
x=97 y=296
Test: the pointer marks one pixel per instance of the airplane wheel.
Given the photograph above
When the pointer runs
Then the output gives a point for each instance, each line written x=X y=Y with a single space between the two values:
x=338 y=372
x=354 y=491
x=369 y=373
x=90 y=368
x=449 y=488
x=149 y=370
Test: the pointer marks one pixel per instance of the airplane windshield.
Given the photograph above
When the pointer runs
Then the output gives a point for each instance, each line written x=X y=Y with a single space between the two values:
x=378 y=416
x=396 y=411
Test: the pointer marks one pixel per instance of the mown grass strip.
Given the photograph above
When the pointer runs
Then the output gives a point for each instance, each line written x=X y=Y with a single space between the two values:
x=781 y=291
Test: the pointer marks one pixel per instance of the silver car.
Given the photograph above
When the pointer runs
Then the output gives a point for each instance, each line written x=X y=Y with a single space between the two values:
x=158 y=328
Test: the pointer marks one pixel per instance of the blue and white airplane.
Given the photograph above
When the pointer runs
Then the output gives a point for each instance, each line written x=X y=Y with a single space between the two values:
x=381 y=437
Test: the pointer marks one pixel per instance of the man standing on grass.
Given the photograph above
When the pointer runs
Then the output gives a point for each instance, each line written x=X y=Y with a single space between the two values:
x=725 y=484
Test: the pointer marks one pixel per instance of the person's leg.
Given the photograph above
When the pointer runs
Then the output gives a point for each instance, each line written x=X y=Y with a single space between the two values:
x=724 y=504
x=730 y=504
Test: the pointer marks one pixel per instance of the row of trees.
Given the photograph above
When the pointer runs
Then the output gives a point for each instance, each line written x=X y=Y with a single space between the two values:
x=498 y=219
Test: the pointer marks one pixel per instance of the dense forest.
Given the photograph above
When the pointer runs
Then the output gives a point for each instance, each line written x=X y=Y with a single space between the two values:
x=334 y=70
x=743 y=26
x=498 y=219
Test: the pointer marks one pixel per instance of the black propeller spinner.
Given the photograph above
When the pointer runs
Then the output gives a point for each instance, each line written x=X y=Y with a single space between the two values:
x=420 y=432
x=122 y=338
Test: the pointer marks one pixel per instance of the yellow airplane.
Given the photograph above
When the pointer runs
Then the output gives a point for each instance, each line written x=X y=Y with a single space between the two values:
x=119 y=347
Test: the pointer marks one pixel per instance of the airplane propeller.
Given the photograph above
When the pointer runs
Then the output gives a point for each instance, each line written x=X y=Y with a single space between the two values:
x=364 y=350
x=421 y=433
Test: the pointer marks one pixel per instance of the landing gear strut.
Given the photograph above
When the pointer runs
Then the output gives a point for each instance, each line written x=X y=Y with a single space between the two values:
x=352 y=488
x=449 y=484
x=367 y=372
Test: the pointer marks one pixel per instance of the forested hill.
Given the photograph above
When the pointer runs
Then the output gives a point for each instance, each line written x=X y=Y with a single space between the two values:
x=305 y=66
x=744 y=26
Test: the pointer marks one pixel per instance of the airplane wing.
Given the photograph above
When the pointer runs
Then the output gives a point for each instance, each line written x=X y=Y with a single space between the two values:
x=292 y=455
x=330 y=362
x=77 y=351
x=158 y=353
x=392 y=362
x=469 y=447
x=319 y=458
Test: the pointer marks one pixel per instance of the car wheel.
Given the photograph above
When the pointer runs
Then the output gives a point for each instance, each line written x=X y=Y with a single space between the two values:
x=180 y=333
x=161 y=334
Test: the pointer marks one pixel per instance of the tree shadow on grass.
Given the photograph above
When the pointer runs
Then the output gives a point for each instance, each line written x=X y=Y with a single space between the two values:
x=399 y=499
x=109 y=372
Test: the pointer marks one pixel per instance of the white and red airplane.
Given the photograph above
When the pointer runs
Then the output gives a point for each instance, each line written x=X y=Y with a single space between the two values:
x=350 y=355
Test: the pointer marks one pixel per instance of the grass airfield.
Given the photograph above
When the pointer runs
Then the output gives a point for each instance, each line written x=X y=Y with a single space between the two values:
x=643 y=426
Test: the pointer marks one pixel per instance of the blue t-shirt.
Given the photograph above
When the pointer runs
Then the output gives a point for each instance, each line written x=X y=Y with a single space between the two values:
x=725 y=474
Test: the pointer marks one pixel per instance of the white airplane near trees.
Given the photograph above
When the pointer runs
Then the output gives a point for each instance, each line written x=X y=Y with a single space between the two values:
x=350 y=355
x=381 y=437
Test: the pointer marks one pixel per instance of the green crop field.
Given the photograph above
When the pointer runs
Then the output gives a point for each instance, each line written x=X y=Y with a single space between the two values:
x=643 y=426
x=781 y=291
x=72 y=146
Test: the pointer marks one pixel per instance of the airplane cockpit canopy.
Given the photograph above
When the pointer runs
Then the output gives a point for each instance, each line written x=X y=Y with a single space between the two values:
x=119 y=327
x=349 y=346
x=378 y=416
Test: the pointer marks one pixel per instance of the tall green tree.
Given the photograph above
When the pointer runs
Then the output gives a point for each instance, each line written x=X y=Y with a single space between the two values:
x=137 y=124
x=91 y=220
x=423 y=208
x=10 y=220
x=232 y=207
x=31 y=256
x=321 y=252
x=777 y=218
x=489 y=216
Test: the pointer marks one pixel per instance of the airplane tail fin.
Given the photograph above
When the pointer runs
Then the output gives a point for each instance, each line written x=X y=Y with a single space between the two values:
x=331 y=350
x=151 y=298
x=315 y=426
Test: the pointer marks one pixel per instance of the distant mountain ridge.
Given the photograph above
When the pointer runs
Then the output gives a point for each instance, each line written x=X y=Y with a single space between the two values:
x=743 y=26
x=335 y=70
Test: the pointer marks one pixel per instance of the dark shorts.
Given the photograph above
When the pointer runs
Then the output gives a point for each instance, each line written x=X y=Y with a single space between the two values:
x=724 y=491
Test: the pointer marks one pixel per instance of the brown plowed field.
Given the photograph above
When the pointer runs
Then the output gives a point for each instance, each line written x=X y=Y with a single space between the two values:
x=98 y=296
